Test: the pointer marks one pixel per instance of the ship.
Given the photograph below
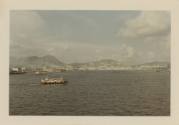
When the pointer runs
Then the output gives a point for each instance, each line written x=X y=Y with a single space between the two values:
x=17 y=70
x=53 y=81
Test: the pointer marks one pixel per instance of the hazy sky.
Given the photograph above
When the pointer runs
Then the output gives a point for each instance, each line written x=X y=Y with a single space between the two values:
x=81 y=36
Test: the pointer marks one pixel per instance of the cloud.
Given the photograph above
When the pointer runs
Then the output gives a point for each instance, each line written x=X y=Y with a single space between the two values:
x=147 y=24
x=142 y=36
x=149 y=36
x=25 y=26
x=25 y=20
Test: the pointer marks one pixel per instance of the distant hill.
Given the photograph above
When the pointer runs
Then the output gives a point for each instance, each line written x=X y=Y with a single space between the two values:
x=113 y=64
x=156 y=63
x=106 y=61
x=35 y=61
x=99 y=63
x=106 y=64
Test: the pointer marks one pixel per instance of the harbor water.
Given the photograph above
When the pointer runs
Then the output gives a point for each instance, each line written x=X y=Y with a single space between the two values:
x=92 y=93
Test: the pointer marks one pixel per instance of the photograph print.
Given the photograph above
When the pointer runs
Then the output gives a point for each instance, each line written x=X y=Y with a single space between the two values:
x=89 y=63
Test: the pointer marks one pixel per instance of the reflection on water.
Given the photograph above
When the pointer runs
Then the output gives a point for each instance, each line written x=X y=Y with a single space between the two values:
x=118 y=93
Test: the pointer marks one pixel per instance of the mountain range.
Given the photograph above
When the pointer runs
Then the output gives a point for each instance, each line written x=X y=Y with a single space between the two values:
x=51 y=61
x=35 y=61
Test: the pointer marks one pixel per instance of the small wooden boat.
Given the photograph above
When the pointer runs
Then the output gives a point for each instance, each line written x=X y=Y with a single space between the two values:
x=53 y=81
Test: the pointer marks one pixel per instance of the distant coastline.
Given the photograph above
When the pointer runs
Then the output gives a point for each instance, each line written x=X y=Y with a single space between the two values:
x=52 y=64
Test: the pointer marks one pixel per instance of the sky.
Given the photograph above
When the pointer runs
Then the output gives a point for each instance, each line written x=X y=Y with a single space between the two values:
x=91 y=35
